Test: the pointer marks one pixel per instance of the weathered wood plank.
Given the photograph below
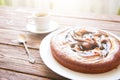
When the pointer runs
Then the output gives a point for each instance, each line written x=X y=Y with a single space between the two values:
x=85 y=22
x=15 y=58
x=18 y=76
x=11 y=37
x=98 y=17
x=62 y=21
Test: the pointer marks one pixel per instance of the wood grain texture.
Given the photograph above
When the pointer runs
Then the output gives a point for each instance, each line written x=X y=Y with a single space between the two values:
x=18 y=76
x=15 y=59
x=11 y=37
x=14 y=63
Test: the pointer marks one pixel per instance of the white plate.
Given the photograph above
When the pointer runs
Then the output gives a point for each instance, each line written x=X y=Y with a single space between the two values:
x=48 y=59
x=53 y=26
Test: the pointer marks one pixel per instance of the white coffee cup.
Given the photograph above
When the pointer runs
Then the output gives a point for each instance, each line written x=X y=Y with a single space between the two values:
x=40 y=20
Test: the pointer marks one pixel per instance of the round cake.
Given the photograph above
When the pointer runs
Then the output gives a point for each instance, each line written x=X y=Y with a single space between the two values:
x=86 y=50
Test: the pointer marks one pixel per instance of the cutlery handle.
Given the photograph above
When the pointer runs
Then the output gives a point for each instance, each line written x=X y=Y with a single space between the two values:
x=26 y=48
x=31 y=59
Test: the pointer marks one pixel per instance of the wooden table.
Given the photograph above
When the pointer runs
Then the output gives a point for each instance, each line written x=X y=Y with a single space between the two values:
x=14 y=63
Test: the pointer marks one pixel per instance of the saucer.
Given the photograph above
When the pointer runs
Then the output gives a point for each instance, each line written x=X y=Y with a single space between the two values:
x=52 y=26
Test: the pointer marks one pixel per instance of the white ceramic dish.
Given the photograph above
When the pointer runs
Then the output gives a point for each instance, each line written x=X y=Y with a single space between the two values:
x=48 y=59
x=53 y=26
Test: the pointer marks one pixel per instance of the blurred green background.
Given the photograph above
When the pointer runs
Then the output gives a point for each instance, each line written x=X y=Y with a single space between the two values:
x=119 y=11
x=2 y=2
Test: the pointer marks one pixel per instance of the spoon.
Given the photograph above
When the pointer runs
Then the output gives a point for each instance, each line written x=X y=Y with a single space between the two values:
x=22 y=39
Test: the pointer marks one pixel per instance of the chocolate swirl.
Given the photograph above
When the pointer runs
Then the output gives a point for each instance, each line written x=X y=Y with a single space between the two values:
x=89 y=44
